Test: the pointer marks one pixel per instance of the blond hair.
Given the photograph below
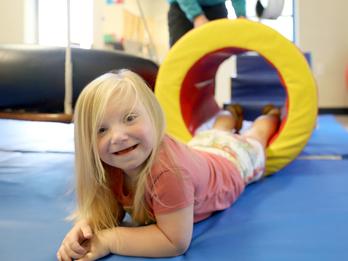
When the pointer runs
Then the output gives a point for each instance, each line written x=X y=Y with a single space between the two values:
x=95 y=200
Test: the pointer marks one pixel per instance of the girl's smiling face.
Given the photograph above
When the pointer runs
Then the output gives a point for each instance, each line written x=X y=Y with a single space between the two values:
x=125 y=136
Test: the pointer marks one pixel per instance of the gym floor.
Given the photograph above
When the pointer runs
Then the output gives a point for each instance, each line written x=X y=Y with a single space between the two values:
x=343 y=119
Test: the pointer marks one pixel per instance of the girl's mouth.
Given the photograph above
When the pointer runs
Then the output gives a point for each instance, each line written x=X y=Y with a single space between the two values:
x=121 y=152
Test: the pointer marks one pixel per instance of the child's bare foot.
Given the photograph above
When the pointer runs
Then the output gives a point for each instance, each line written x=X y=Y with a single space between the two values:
x=265 y=126
x=270 y=109
x=237 y=112
x=274 y=111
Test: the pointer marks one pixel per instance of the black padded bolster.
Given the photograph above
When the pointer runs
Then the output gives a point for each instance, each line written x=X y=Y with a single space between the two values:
x=32 y=77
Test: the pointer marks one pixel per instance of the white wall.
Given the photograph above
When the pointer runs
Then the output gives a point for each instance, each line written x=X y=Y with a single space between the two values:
x=107 y=20
x=12 y=21
x=117 y=19
x=322 y=30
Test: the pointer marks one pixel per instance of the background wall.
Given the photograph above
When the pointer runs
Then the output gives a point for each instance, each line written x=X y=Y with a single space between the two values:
x=126 y=23
x=12 y=21
x=320 y=25
x=107 y=20
x=322 y=29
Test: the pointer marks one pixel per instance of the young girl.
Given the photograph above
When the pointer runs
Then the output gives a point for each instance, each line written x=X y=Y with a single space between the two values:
x=126 y=163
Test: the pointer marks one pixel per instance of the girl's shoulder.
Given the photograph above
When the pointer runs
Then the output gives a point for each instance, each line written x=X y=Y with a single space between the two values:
x=173 y=156
x=171 y=143
x=169 y=173
x=171 y=148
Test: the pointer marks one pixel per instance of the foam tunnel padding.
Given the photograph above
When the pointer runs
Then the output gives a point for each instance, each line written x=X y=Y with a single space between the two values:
x=185 y=82
x=32 y=77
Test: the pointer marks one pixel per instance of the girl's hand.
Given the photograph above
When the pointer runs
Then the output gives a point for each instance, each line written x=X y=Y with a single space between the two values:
x=74 y=244
x=200 y=20
x=98 y=246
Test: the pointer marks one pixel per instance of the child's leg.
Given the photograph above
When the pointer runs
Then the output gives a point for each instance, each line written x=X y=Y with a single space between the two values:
x=265 y=126
x=225 y=122
x=231 y=121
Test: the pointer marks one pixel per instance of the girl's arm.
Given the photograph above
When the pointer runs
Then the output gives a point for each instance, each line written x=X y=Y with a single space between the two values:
x=170 y=236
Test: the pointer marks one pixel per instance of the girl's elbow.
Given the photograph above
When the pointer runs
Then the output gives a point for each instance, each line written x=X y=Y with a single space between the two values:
x=181 y=251
x=181 y=247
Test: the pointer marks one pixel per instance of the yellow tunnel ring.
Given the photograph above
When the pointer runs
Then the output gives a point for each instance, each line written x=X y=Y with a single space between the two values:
x=185 y=89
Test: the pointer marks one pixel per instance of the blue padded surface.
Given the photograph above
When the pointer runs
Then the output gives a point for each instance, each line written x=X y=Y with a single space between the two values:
x=329 y=138
x=299 y=213
x=34 y=201
x=36 y=136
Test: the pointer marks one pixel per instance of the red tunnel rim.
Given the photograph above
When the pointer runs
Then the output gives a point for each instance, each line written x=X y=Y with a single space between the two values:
x=213 y=60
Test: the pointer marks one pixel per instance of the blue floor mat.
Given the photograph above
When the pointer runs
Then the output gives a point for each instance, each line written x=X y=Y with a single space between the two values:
x=329 y=138
x=33 y=136
x=300 y=213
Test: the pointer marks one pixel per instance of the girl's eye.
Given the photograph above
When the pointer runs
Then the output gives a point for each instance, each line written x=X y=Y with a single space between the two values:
x=101 y=130
x=130 y=118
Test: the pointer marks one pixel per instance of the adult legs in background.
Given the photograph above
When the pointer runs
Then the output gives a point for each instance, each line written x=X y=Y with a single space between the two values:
x=215 y=12
x=178 y=24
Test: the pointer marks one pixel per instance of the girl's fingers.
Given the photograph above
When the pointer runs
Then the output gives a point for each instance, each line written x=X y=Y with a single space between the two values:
x=63 y=255
x=88 y=257
x=78 y=249
x=70 y=252
x=87 y=232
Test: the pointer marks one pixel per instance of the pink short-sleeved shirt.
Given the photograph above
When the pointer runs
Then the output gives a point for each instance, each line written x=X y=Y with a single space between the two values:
x=182 y=176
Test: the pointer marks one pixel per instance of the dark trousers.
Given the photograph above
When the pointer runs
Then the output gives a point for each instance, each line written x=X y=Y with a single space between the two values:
x=178 y=24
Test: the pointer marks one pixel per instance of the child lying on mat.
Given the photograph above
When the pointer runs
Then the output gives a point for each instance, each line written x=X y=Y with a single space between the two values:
x=126 y=163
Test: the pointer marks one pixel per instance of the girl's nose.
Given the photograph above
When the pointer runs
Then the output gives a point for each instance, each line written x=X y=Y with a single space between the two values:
x=118 y=136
